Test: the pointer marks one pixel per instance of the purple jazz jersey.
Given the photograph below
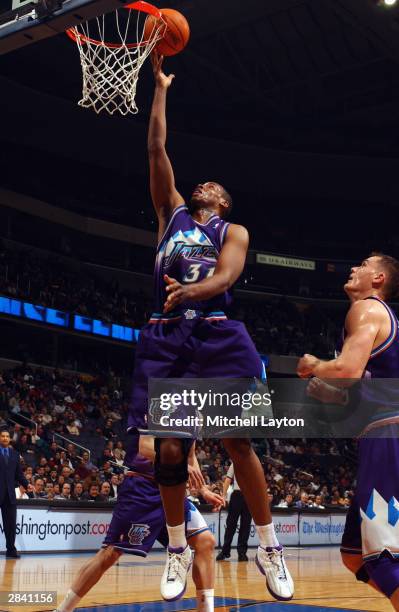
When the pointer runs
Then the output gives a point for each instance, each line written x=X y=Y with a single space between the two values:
x=196 y=340
x=138 y=518
x=374 y=513
x=188 y=252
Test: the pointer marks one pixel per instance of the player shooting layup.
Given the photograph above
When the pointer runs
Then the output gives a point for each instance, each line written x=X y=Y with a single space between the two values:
x=199 y=258
x=370 y=544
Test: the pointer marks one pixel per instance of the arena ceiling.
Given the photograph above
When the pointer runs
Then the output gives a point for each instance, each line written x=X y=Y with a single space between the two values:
x=307 y=88
x=286 y=73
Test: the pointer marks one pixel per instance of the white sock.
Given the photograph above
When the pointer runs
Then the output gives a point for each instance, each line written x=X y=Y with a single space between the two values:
x=205 y=600
x=267 y=535
x=69 y=603
x=177 y=536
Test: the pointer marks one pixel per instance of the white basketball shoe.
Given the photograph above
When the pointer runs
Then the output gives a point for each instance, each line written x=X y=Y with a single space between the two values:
x=174 y=579
x=271 y=563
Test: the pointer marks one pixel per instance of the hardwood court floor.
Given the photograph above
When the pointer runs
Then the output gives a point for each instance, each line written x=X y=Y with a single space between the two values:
x=322 y=583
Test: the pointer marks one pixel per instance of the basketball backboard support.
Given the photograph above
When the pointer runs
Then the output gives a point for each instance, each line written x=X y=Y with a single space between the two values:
x=23 y=22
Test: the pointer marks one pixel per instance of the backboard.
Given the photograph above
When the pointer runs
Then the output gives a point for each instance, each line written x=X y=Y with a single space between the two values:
x=23 y=22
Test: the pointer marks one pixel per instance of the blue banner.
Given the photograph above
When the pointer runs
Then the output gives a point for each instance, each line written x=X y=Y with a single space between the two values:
x=51 y=316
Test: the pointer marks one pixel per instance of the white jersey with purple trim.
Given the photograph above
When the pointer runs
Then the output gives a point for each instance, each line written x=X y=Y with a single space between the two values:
x=188 y=252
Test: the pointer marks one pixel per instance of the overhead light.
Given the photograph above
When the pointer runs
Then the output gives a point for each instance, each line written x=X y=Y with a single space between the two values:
x=390 y=2
x=387 y=3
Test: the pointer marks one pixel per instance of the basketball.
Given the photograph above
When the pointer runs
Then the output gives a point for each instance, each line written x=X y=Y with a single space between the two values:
x=177 y=32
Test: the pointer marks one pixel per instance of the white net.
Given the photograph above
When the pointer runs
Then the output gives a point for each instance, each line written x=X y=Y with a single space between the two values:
x=111 y=69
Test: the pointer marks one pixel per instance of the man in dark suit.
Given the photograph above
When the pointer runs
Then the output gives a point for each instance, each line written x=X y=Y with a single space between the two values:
x=10 y=475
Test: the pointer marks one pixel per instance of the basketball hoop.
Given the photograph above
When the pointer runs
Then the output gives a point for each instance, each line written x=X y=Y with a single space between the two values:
x=111 y=69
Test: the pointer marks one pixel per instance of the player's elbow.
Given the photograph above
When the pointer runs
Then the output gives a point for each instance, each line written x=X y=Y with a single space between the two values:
x=348 y=369
x=224 y=285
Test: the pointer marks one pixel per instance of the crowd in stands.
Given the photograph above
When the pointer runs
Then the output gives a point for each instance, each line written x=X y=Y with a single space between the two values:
x=299 y=473
x=277 y=325
x=50 y=282
x=50 y=411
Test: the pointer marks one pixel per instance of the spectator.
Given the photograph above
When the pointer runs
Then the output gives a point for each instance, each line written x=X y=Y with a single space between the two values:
x=287 y=501
x=318 y=502
x=56 y=489
x=93 y=494
x=38 y=489
x=49 y=490
x=119 y=453
x=303 y=502
x=105 y=491
x=108 y=431
x=78 y=491
x=72 y=428
x=65 y=492
x=114 y=486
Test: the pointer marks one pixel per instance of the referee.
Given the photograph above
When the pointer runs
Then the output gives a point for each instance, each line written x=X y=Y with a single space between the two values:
x=10 y=475
x=238 y=509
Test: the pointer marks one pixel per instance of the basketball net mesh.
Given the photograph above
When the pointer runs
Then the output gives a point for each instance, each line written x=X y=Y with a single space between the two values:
x=111 y=71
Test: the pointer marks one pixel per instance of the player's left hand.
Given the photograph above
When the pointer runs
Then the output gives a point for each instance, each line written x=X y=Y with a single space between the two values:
x=195 y=478
x=177 y=293
x=306 y=365
x=217 y=501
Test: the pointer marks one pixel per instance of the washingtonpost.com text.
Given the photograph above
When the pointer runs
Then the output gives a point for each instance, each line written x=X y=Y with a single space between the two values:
x=47 y=528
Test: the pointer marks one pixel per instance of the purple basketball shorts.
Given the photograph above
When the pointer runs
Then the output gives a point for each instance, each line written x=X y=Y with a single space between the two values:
x=194 y=347
x=138 y=518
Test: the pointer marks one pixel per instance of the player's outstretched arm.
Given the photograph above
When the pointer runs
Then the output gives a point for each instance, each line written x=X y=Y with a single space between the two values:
x=229 y=267
x=164 y=195
x=362 y=325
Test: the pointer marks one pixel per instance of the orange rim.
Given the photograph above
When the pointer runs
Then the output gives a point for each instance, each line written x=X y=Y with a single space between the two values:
x=143 y=7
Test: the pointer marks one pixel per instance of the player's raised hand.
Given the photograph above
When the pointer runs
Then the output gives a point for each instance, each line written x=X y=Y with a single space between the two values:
x=161 y=79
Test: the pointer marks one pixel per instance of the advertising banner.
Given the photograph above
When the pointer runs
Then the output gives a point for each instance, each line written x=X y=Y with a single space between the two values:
x=321 y=529
x=286 y=527
x=47 y=529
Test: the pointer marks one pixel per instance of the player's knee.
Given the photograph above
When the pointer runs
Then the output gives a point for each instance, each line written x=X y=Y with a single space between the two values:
x=170 y=465
x=109 y=556
x=238 y=448
x=205 y=544
x=170 y=451
x=356 y=565
x=352 y=562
